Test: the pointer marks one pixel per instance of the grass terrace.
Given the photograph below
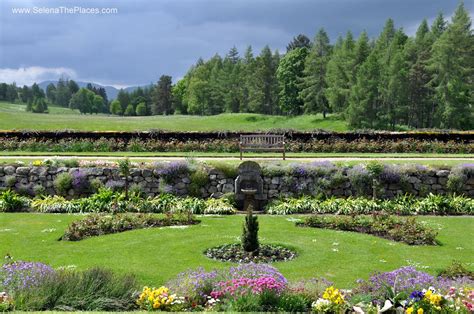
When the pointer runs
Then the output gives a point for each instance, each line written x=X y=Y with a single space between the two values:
x=158 y=254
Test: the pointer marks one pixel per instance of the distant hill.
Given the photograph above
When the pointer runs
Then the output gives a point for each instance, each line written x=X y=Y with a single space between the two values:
x=110 y=90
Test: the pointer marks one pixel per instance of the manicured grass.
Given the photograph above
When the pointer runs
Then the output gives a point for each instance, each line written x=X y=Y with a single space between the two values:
x=157 y=255
x=13 y=116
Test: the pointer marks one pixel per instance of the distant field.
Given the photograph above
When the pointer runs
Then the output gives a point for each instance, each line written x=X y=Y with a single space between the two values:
x=13 y=116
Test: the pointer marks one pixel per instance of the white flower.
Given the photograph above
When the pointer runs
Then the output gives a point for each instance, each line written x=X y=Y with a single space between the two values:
x=321 y=304
x=386 y=306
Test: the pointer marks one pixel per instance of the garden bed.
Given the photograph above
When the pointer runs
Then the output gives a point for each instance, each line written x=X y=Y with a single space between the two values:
x=406 y=230
x=96 y=224
x=267 y=253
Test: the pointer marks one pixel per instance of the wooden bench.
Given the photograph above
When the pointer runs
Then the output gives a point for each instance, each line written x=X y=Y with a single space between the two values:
x=262 y=142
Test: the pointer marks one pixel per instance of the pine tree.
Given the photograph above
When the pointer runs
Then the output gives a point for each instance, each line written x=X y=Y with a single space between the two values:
x=265 y=86
x=364 y=101
x=300 y=41
x=452 y=64
x=439 y=26
x=162 y=97
x=339 y=76
x=313 y=83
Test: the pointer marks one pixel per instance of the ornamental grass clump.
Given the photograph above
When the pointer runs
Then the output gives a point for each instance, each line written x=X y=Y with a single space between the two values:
x=95 y=289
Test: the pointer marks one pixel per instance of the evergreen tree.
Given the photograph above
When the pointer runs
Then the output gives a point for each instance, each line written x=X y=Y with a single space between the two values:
x=339 y=73
x=51 y=93
x=300 y=41
x=124 y=99
x=452 y=63
x=162 y=97
x=63 y=94
x=439 y=26
x=364 y=101
x=289 y=72
x=313 y=86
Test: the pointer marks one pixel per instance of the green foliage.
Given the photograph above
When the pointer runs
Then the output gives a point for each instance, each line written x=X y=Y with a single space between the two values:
x=86 y=101
x=406 y=230
x=95 y=289
x=141 y=109
x=249 y=240
x=456 y=270
x=129 y=111
x=402 y=205
x=39 y=190
x=313 y=85
x=96 y=184
x=11 y=202
x=229 y=170
x=199 y=178
x=115 y=108
x=289 y=72
x=10 y=181
x=294 y=303
x=63 y=183
x=96 y=224
x=219 y=206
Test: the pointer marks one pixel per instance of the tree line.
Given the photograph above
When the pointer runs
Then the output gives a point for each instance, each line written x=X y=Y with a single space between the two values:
x=422 y=81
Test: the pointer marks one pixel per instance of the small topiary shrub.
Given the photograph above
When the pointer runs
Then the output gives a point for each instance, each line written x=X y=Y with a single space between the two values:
x=63 y=183
x=250 y=233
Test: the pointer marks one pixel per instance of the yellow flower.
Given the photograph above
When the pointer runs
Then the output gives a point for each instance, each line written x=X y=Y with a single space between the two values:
x=420 y=311
x=409 y=310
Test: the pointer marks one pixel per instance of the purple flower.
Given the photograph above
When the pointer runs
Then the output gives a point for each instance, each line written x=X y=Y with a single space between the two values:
x=80 y=182
x=417 y=295
x=171 y=170
x=22 y=275
x=390 y=174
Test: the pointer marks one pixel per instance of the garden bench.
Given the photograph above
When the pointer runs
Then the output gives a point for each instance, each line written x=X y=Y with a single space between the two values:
x=262 y=142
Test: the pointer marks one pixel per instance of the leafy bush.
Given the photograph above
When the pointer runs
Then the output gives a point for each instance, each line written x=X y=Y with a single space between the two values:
x=10 y=181
x=95 y=289
x=401 y=205
x=54 y=204
x=218 y=207
x=96 y=224
x=456 y=270
x=199 y=179
x=63 y=183
x=228 y=170
x=39 y=190
x=406 y=230
x=11 y=202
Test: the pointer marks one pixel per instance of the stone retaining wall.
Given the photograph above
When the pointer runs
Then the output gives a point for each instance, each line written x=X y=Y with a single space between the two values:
x=27 y=180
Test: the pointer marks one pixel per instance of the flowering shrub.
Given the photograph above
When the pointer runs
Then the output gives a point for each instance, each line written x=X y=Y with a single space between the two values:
x=332 y=301
x=21 y=275
x=169 y=171
x=240 y=286
x=157 y=299
x=80 y=183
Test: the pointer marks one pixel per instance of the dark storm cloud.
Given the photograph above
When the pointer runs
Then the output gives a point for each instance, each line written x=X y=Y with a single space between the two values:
x=148 y=38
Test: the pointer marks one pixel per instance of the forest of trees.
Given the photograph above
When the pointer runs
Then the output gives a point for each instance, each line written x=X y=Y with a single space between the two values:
x=423 y=81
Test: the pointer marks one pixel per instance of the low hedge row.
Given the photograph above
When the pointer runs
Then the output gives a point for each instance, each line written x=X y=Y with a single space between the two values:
x=331 y=145
x=406 y=230
x=97 y=224
x=402 y=205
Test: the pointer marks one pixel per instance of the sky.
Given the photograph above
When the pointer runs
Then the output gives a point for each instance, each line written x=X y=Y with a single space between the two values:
x=134 y=42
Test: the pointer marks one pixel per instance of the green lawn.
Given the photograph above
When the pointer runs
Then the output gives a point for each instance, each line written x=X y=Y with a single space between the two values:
x=13 y=116
x=157 y=255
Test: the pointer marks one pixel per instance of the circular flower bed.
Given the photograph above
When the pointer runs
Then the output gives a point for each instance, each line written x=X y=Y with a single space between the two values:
x=267 y=253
